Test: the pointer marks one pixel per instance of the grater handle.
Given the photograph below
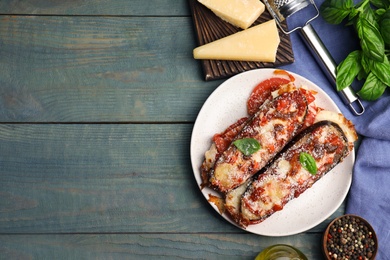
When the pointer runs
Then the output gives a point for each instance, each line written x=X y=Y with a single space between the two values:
x=328 y=65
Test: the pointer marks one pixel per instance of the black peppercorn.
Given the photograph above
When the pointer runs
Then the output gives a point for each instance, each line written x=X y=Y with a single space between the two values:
x=350 y=238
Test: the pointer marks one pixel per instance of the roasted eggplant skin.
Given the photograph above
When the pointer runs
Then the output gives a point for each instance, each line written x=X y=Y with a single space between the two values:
x=285 y=178
x=274 y=125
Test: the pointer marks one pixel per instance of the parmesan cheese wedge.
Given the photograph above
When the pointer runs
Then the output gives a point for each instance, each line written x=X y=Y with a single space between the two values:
x=241 y=13
x=258 y=43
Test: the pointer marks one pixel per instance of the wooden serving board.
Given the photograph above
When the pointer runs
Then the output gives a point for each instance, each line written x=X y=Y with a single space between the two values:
x=209 y=27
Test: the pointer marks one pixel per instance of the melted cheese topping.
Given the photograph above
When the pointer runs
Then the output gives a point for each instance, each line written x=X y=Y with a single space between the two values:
x=272 y=129
x=285 y=179
x=210 y=156
x=340 y=120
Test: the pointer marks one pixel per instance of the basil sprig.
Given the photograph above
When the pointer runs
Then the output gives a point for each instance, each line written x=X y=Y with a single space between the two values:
x=371 y=20
x=247 y=146
x=307 y=161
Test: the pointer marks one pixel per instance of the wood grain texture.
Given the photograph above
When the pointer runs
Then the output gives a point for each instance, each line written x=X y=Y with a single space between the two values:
x=101 y=178
x=210 y=27
x=97 y=104
x=89 y=69
x=149 y=246
x=95 y=7
x=98 y=178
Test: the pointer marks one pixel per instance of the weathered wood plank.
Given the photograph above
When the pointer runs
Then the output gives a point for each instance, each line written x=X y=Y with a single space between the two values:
x=150 y=246
x=95 y=7
x=98 y=178
x=94 y=69
x=101 y=178
x=117 y=190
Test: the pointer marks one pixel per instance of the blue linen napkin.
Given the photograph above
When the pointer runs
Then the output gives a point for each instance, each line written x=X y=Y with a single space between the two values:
x=369 y=195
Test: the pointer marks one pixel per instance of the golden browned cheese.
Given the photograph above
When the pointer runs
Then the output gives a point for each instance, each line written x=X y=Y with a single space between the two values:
x=286 y=178
x=273 y=126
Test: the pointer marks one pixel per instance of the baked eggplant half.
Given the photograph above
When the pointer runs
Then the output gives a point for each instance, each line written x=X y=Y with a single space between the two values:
x=274 y=125
x=306 y=159
x=221 y=142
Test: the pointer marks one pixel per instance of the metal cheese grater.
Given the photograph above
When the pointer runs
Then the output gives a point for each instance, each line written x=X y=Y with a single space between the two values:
x=280 y=10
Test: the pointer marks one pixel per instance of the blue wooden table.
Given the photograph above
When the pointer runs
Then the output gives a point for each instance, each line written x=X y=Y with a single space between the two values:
x=97 y=104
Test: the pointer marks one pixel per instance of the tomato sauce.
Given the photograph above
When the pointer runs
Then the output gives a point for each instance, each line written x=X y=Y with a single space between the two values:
x=263 y=91
x=223 y=140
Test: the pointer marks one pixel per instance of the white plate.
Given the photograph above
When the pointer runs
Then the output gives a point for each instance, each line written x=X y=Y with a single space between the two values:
x=224 y=107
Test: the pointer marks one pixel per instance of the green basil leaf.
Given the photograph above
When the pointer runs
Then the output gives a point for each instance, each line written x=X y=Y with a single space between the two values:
x=382 y=71
x=363 y=6
x=352 y=15
x=362 y=74
x=334 y=11
x=380 y=3
x=307 y=161
x=367 y=64
x=380 y=12
x=369 y=14
x=371 y=40
x=385 y=26
x=372 y=89
x=247 y=146
x=348 y=69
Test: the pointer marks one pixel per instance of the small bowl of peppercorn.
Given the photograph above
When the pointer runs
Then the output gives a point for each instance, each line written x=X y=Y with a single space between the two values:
x=350 y=237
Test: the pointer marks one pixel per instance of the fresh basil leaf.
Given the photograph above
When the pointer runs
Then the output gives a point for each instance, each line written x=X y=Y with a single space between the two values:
x=371 y=40
x=362 y=74
x=367 y=63
x=352 y=15
x=385 y=26
x=372 y=89
x=348 y=69
x=307 y=161
x=382 y=71
x=369 y=14
x=334 y=11
x=362 y=6
x=381 y=3
x=380 y=12
x=247 y=146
